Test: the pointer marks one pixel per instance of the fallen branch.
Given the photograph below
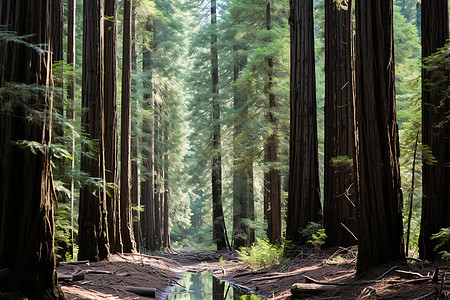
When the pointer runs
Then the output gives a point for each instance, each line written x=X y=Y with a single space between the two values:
x=276 y=277
x=312 y=280
x=77 y=276
x=154 y=257
x=250 y=273
x=98 y=272
x=299 y=289
x=414 y=259
x=426 y=295
x=385 y=273
x=141 y=291
x=408 y=274
x=81 y=262
x=412 y=281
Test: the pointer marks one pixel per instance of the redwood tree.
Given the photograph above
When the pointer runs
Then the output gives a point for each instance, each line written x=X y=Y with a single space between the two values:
x=219 y=230
x=93 y=231
x=27 y=254
x=304 y=191
x=435 y=130
x=125 y=136
x=339 y=190
x=379 y=221
x=272 y=181
x=111 y=135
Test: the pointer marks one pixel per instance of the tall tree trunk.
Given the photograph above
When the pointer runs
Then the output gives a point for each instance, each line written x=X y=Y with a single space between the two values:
x=135 y=172
x=240 y=179
x=111 y=135
x=158 y=172
x=148 y=155
x=71 y=26
x=304 y=191
x=435 y=131
x=339 y=197
x=379 y=221
x=273 y=177
x=26 y=188
x=219 y=229
x=93 y=231
x=166 y=229
x=125 y=136
x=148 y=158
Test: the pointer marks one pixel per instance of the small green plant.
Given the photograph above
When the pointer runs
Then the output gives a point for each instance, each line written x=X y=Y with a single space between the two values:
x=315 y=234
x=261 y=255
x=444 y=238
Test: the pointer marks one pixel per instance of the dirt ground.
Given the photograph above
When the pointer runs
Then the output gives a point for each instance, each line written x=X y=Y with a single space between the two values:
x=337 y=265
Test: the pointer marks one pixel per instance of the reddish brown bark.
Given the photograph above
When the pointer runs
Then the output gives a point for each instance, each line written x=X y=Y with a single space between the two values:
x=339 y=190
x=380 y=229
x=304 y=191
x=435 y=131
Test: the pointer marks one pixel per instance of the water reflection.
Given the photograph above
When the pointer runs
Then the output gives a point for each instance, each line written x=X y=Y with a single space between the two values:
x=204 y=286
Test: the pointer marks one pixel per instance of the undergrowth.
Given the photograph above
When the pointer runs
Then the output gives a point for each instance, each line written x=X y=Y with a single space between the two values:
x=261 y=255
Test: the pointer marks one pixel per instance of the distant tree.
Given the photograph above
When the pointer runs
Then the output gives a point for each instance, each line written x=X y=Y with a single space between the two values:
x=272 y=180
x=435 y=129
x=219 y=230
x=339 y=190
x=93 y=231
x=380 y=231
x=111 y=131
x=148 y=155
x=26 y=188
x=126 y=220
x=304 y=190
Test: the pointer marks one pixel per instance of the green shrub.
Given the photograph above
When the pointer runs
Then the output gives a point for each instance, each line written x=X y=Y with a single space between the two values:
x=444 y=238
x=261 y=255
x=315 y=234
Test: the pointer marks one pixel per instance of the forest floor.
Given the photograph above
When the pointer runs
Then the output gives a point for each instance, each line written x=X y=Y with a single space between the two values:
x=164 y=270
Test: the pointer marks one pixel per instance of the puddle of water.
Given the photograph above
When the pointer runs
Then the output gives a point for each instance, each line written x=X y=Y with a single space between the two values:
x=204 y=286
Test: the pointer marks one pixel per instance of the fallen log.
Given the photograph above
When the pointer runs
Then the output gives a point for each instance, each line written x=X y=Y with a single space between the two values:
x=302 y=289
x=141 y=291
x=98 y=272
x=78 y=276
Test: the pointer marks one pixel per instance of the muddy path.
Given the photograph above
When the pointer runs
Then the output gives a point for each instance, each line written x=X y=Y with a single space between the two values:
x=109 y=279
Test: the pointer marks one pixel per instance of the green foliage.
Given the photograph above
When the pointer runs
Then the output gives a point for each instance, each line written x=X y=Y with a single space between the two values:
x=315 y=234
x=261 y=255
x=444 y=239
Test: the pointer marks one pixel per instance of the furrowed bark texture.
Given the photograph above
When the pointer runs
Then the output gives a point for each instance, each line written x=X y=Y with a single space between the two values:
x=93 y=231
x=380 y=229
x=339 y=190
x=26 y=188
x=435 y=131
x=304 y=192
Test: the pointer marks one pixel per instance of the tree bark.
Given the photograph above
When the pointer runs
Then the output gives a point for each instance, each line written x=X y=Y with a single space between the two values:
x=273 y=177
x=304 y=191
x=111 y=123
x=93 y=231
x=339 y=190
x=219 y=229
x=148 y=155
x=435 y=131
x=70 y=113
x=125 y=136
x=26 y=188
x=380 y=230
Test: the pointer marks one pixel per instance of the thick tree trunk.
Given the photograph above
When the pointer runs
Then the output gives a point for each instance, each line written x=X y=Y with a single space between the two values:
x=304 y=191
x=26 y=188
x=273 y=177
x=380 y=232
x=339 y=196
x=93 y=231
x=111 y=135
x=126 y=225
x=435 y=131
x=219 y=229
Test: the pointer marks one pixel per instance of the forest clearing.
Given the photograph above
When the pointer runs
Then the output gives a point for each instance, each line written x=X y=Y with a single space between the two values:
x=405 y=281
x=224 y=149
